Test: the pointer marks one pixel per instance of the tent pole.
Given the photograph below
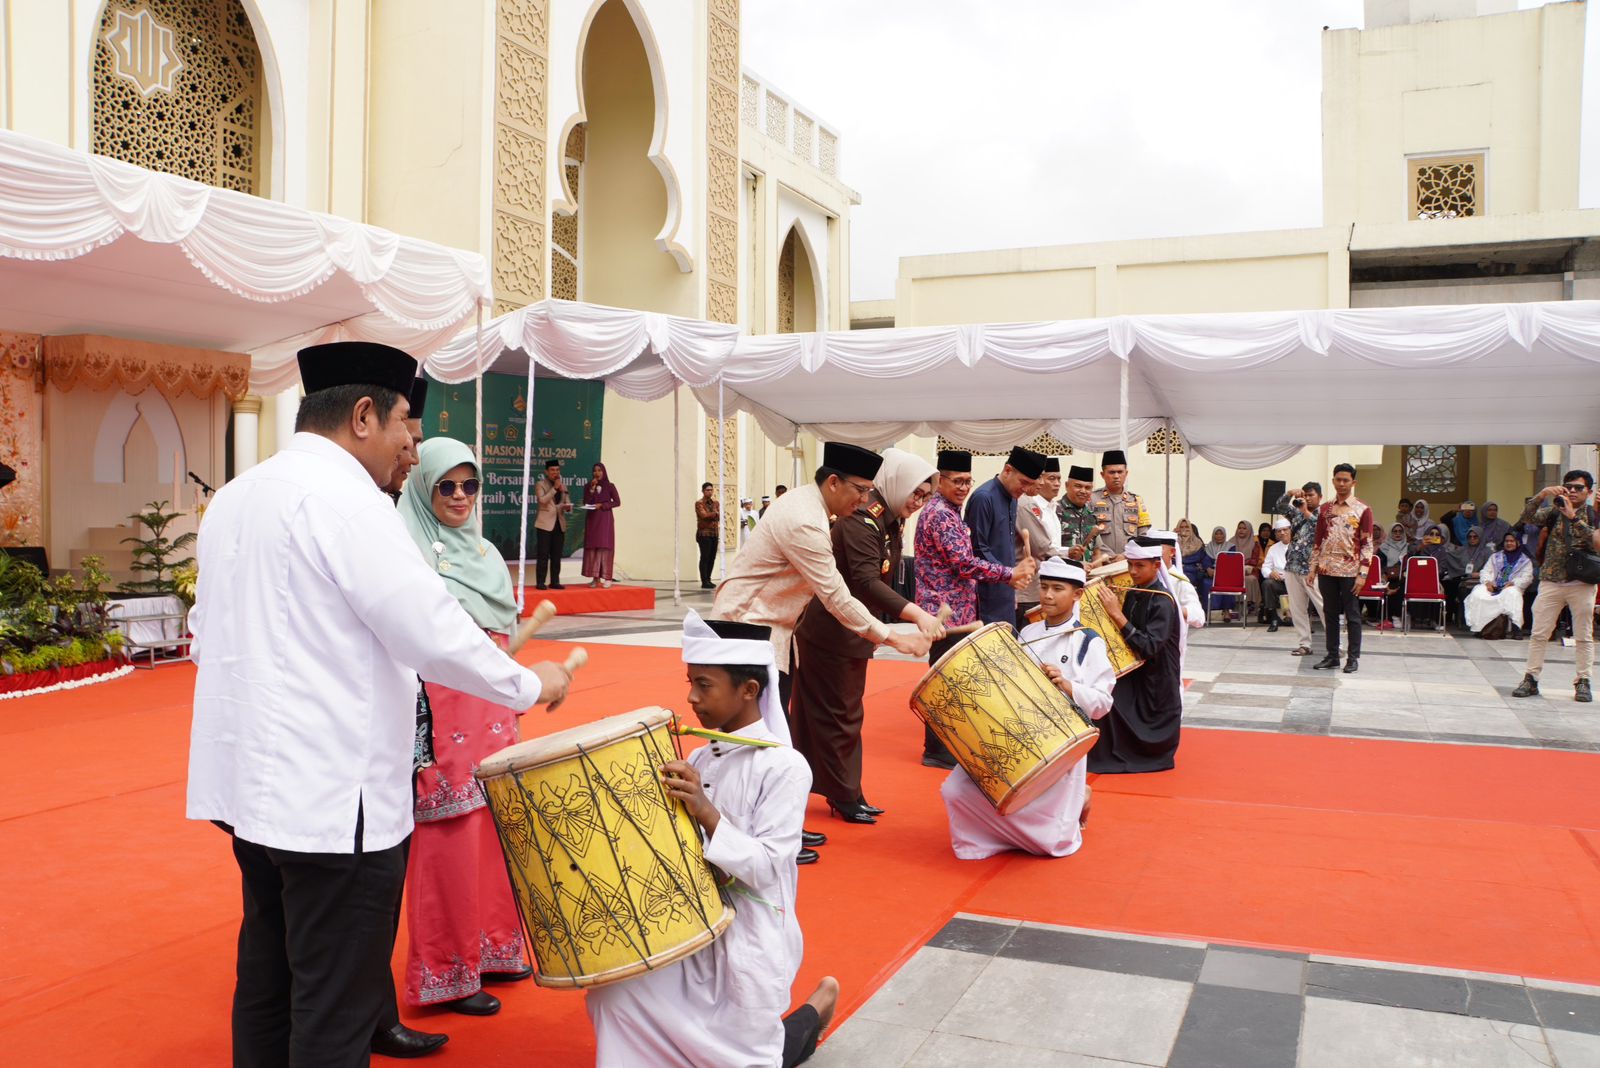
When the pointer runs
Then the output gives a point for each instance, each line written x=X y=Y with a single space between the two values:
x=1187 y=457
x=677 y=504
x=722 y=488
x=477 y=448
x=1166 y=519
x=1122 y=409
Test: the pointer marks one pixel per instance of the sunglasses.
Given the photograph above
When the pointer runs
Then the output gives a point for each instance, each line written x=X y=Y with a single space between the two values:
x=1575 y=487
x=447 y=487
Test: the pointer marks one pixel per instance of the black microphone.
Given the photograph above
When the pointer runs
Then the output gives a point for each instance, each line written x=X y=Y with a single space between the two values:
x=198 y=481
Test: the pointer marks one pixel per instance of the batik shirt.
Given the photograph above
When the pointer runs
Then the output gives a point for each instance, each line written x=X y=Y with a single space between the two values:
x=1343 y=545
x=1304 y=529
x=1078 y=527
x=948 y=571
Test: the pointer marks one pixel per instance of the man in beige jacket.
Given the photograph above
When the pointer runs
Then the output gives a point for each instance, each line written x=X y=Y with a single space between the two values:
x=550 y=526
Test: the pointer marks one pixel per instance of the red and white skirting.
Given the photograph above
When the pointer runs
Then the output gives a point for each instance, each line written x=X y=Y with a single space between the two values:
x=69 y=678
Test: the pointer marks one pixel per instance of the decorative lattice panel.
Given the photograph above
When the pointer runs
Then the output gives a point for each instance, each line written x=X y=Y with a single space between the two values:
x=1447 y=187
x=177 y=88
x=1164 y=442
x=1432 y=469
x=1044 y=444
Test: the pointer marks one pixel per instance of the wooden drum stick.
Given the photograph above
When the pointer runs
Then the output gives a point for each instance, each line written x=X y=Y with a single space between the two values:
x=575 y=660
x=542 y=614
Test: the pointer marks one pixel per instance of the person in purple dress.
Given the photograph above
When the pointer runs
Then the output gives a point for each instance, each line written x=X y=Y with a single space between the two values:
x=600 y=496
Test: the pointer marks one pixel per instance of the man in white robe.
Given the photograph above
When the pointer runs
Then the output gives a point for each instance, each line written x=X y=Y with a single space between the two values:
x=723 y=1007
x=1075 y=658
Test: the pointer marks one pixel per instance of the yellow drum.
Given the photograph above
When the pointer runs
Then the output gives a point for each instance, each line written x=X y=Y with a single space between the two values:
x=1002 y=718
x=1092 y=614
x=607 y=869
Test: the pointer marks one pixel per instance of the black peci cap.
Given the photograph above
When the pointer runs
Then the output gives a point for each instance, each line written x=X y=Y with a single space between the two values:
x=727 y=628
x=1052 y=464
x=954 y=460
x=1080 y=474
x=356 y=363
x=1113 y=457
x=1027 y=462
x=418 y=396
x=851 y=459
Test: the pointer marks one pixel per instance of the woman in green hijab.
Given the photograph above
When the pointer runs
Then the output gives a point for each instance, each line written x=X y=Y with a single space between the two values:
x=460 y=910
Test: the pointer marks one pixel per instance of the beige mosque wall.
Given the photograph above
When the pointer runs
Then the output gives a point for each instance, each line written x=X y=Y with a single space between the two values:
x=427 y=163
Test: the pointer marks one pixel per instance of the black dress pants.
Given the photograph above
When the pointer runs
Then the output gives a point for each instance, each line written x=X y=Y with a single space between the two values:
x=389 y=1012
x=314 y=951
x=547 y=553
x=1339 y=595
x=708 y=557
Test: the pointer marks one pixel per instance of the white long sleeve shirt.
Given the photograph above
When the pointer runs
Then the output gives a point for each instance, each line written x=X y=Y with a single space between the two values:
x=313 y=617
x=1275 y=564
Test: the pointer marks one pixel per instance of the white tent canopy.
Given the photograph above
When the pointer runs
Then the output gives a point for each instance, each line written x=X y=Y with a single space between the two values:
x=1245 y=390
x=90 y=245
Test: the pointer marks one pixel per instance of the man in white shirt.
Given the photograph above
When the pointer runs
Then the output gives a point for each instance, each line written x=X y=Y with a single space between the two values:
x=314 y=615
x=1275 y=571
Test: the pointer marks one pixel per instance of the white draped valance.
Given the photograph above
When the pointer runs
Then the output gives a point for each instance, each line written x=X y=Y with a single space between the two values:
x=95 y=245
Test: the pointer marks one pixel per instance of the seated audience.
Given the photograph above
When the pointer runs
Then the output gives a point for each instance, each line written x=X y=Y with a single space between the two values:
x=1192 y=552
x=1275 y=576
x=1494 y=606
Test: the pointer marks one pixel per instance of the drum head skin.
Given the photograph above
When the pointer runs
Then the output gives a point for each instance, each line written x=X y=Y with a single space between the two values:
x=563 y=744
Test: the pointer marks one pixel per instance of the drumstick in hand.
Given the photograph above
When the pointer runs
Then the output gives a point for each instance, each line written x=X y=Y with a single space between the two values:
x=575 y=660
x=543 y=613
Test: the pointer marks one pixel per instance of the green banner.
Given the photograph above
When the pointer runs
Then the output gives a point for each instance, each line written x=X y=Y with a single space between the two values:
x=566 y=427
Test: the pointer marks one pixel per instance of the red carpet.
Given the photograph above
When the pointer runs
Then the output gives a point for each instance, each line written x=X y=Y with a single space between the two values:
x=120 y=916
x=580 y=600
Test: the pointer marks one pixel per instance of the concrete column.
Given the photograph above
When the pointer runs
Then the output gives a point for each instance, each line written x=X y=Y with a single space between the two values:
x=246 y=433
x=286 y=406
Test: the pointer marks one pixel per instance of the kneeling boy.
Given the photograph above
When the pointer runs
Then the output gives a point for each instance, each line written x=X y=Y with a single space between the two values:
x=1075 y=659
x=723 y=1007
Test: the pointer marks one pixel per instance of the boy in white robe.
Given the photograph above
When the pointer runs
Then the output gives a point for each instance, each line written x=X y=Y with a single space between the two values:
x=723 y=1007
x=1075 y=658
x=1190 y=612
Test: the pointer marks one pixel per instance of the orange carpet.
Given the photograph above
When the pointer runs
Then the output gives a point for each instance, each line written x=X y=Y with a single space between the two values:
x=579 y=598
x=119 y=916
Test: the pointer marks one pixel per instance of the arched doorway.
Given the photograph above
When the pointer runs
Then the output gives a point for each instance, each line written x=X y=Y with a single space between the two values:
x=797 y=286
x=177 y=87
x=626 y=201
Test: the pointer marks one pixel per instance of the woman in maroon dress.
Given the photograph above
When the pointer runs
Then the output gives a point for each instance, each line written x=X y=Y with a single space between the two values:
x=600 y=529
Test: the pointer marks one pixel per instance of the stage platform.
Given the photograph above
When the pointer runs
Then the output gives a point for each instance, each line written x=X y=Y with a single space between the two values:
x=582 y=600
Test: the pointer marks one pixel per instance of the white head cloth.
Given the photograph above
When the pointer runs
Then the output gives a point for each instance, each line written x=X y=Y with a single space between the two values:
x=1063 y=570
x=1167 y=536
x=702 y=645
x=1135 y=551
x=1280 y=523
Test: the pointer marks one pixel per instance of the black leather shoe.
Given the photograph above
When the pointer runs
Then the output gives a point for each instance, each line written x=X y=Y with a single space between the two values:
x=479 y=1004
x=851 y=813
x=807 y=856
x=812 y=839
x=1351 y=665
x=402 y=1042
x=557 y=586
x=508 y=977
x=1582 y=692
x=1529 y=687
x=1326 y=662
x=1272 y=626
x=871 y=810
x=933 y=760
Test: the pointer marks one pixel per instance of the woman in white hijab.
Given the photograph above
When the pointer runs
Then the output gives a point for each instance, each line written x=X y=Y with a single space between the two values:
x=831 y=679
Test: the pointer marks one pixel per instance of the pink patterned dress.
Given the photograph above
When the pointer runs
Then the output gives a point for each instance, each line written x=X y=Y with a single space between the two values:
x=460 y=911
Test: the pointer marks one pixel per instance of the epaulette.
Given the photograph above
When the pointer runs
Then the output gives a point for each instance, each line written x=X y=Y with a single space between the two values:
x=875 y=509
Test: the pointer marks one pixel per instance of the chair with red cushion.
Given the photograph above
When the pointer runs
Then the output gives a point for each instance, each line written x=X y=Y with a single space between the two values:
x=1374 y=589
x=1229 y=582
x=1422 y=584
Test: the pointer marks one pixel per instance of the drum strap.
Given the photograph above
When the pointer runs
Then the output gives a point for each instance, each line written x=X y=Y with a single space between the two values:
x=734 y=886
x=720 y=736
x=1083 y=650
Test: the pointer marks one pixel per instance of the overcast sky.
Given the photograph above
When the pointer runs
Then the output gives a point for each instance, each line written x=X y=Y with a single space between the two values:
x=976 y=124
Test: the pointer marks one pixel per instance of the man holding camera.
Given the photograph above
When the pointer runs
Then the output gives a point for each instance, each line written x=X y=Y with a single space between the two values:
x=1299 y=507
x=1563 y=512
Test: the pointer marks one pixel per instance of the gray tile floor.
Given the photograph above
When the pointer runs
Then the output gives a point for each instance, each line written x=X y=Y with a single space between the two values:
x=1424 y=686
x=996 y=992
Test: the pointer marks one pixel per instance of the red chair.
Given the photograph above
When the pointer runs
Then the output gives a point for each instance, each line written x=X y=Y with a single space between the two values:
x=1422 y=584
x=1374 y=589
x=1229 y=582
